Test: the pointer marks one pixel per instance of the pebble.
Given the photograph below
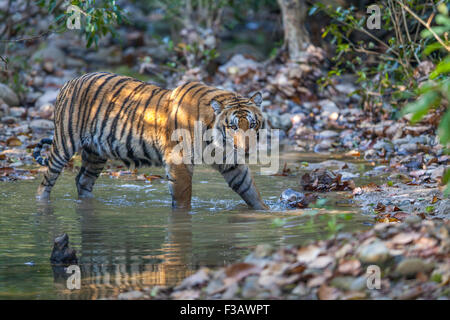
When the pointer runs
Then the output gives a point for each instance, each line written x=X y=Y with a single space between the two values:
x=42 y=124
x=17 y=111
x=8 y=95
x=411 y=266
x=328 y=135
x=375 y=252
x=131 y=295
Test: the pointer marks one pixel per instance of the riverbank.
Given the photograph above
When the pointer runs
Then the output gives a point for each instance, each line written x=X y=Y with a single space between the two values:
x=391 y=261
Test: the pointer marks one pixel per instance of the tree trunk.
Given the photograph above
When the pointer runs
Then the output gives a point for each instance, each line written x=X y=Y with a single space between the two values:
x=296 y=37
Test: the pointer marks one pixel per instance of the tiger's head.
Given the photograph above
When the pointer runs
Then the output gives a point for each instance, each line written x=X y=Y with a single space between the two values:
x=238 y=121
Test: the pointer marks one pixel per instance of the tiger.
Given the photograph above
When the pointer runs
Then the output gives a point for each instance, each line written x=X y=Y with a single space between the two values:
x=104 y=116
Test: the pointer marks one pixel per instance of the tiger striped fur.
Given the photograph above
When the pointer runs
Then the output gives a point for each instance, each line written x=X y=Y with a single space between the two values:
x=108 y=116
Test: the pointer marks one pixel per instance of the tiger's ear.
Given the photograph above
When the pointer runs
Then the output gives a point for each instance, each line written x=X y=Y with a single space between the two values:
x=257 y=98
x=217 y=107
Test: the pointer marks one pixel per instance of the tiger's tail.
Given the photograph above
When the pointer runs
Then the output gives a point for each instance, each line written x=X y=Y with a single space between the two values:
x=37 y=152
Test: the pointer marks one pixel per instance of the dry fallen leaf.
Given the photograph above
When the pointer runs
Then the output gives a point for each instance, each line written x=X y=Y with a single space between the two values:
x=308 y=254
x=238 y=271
x=328 y=293
x=13 y=142
x=352 y=267
x=404 y=238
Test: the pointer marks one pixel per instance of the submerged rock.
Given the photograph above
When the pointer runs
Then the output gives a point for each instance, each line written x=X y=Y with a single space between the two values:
x=61 y=253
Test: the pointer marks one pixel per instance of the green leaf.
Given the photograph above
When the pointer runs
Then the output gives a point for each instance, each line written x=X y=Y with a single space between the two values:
x=420 y=107
x=432 y=47
x=442 y=68
x=444 y=128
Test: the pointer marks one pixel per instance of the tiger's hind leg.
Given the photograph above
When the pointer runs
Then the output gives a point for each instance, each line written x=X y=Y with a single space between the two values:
x=91 y=167
x=56 y=162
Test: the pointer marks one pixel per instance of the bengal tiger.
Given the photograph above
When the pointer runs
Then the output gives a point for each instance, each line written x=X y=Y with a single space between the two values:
x=107 y=116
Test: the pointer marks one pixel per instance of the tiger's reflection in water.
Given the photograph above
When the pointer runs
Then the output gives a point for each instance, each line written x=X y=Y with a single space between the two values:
x=111 y=267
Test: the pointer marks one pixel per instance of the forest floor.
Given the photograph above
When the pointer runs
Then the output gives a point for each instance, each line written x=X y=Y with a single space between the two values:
x=409 y=159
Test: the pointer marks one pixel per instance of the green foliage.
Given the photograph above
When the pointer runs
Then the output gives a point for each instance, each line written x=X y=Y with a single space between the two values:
x=98 y=18
x=436 y=92
x=383 y=60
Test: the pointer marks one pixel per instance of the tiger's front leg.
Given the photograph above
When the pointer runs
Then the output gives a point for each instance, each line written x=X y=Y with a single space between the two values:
x=240 y=179
x=180 y=184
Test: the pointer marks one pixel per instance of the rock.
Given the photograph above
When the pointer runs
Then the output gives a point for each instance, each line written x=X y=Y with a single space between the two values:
x=61 y=253
x=17 y=111
x=345 y=176
x=411 y=266
x=438 y=173
x=46 y=111
x=132 y=295
x=328 y=107
x=328 y=135
x=9 y=120
x=239 y=65
x=50 y=53
x=263 y=250
x=48 y=67
x=250 y=288
x=333 y=165
x=8 y=95
x=345 y=88
x=38 y=81
x=349 y=283
x=413 y=219
x=324 y=145
x=293 y=199
x=42 y=124
x=46 y=98
x=408 y=148
x=282 y=122
x=380 y=145
x=375 y=252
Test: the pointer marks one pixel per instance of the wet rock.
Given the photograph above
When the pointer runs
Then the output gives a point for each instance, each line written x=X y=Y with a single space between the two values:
x=295 y=199
x=345 y=176
x=333 y=165
x=8 y=95
x=375 y=252
x=132 y=295
x=42 y=124
x=324 y=145
x=291 y=196
x=61 y=253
